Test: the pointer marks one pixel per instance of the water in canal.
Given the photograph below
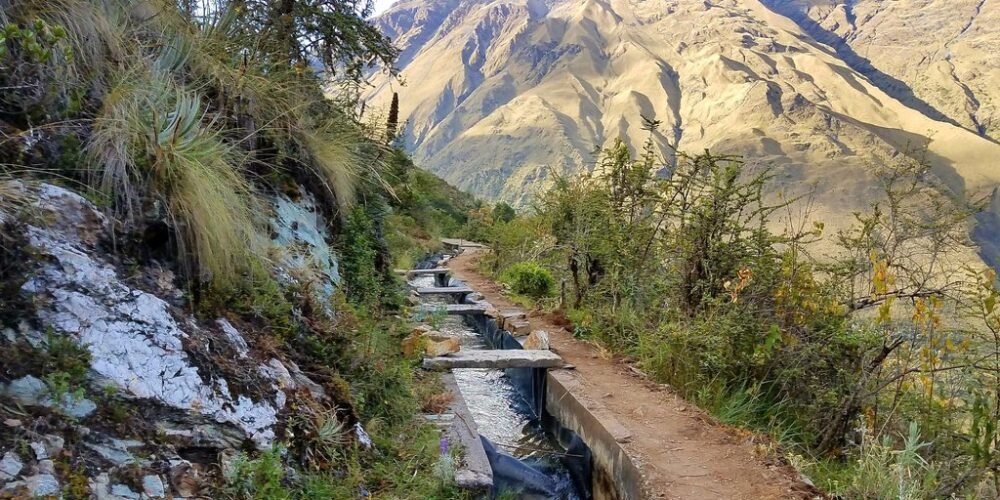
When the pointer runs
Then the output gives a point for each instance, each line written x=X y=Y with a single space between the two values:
x=502 y=414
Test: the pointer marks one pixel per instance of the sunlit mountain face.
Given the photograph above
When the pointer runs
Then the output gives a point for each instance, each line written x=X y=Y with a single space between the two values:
x=499 y=95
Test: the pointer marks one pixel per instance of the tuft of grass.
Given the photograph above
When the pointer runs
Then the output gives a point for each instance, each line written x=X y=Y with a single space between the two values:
x=150 y=137
x=335 y=160
x=13 y=196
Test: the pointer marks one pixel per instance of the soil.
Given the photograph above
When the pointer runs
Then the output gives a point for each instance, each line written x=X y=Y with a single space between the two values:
x=681 y=451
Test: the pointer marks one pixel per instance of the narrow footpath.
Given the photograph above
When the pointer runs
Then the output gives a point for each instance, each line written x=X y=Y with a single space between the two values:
x=681 y=451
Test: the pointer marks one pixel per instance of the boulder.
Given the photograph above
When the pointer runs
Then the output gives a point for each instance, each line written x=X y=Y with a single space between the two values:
x=153 y=486
x=10 y=466
x=538 y=340
x=412 y=344
x=26 y=391
x=508 y=316
x=519 y=328
x=434 y=348
x=39 y=485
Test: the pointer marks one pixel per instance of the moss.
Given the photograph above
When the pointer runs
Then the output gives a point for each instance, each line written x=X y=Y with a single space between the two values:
x=74 y=480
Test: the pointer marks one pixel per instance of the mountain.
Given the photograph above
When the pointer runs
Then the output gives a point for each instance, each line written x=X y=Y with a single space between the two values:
x=941 y=57
x=499 y=95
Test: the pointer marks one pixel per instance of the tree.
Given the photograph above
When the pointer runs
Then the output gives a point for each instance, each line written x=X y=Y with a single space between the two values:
x=392 y=124
x=304 y=33
x=503 y=212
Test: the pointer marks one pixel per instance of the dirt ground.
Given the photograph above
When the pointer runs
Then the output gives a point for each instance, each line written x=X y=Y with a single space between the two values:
x=682 y=452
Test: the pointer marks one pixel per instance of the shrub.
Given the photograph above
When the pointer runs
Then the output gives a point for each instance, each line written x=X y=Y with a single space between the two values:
x=529 y=278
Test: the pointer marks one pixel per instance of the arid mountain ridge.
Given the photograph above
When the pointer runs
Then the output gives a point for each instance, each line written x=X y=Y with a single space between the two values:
x=500 y=94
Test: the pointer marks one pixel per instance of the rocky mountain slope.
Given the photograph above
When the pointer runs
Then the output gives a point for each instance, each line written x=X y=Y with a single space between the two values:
x=500 y=95
x=939 y=57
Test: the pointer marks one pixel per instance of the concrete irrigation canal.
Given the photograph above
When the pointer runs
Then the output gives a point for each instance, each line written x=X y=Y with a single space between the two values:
x=521 y=427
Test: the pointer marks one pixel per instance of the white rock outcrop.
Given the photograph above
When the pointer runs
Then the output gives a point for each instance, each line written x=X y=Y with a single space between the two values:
x=134 y=339
x=300 y=240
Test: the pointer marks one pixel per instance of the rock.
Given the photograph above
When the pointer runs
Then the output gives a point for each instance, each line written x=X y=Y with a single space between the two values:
x=435 y=349
x=538 y=340
x=476 y=297
x=114 y=450
x=10 y=466
x=301 y=380
x=519 y=328
x=363 y=438
x=12 y=422
x=54 y=444
x=77 y=407
x=235 y=337
x=46 y=467
x=492 y=312
x=305 y=256
x=133 y=338
x=228 y=464
x=123 y=491
x=184 y=478
x=200 y=435
x=276 y=370
x=39 y=450
x=421 y=330
x=413 y=300
x=27 y=391
x=39 y=485
x=99 y=487
x=153 y=486
x=507 y=316
x=412 y=344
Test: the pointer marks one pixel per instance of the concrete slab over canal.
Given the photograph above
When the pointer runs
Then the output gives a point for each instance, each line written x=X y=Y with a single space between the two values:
x=495 y=359
x=454 y=309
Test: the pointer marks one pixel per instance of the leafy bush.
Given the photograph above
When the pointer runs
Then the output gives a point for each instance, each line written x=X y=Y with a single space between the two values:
x=530 y=279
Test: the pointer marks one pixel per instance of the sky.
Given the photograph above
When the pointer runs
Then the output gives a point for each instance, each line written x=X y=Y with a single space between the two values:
x=381 y=5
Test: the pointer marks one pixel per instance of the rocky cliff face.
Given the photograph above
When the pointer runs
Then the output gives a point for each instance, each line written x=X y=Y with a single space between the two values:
x=500 y=95
x=200 y=386
x=939 y=57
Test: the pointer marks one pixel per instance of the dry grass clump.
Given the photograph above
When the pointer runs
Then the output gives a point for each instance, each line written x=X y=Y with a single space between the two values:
x=13 y=196
x=152 y=144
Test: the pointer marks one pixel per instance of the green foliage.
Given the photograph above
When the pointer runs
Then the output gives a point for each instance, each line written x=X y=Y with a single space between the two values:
x=688 y=275
x=424 y=210
x=149 y=138
x=503 y=212
x=883 y=471
x=530 y=279
x=362 y=281
x=334 y=32
x=262 y=477
x=258 y=298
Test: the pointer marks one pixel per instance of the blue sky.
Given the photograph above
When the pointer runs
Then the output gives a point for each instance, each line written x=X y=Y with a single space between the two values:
x=381 y=5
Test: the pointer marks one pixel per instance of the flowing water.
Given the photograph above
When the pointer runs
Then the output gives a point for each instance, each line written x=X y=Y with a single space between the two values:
x=502 y=414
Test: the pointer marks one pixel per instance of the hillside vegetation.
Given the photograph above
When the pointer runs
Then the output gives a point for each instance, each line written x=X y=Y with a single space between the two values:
x=874 y=368
x=194 y=127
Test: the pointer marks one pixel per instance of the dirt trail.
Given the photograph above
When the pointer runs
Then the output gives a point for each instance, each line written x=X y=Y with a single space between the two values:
x=680 y=450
